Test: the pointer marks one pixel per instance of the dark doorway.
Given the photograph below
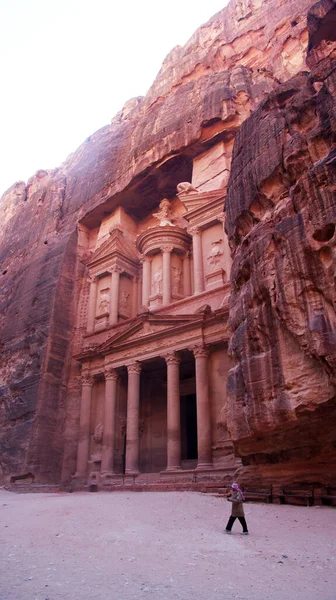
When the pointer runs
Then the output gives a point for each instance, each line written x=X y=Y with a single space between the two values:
x=188 y=427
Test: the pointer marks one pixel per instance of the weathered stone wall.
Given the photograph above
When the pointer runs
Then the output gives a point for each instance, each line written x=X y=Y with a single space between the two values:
x=281 y=214
x=201 y=96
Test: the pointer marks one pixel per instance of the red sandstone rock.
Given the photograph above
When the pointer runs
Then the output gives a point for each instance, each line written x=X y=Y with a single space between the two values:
x=200 y=98
x=281 y=210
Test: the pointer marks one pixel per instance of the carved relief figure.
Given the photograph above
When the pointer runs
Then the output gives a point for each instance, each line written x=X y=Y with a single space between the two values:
x=157 y=282
x=124 y=301
x=216 y=251
x=164 y=213
x=104 y=304
x=176 y=280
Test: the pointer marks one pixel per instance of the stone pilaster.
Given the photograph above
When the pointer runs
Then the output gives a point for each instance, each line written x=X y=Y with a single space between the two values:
x=108 y=447
x=173 y=412
x=84 y=427
x=114 y=300
x=146 y=279
x=132 y=426
x=204 y=438
x=186 y=275
x=198 y=259
x=92 y=304
x=166 y=274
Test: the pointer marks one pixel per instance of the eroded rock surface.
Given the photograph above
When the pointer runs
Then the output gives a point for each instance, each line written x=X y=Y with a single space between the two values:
x=201 y=97
x=281 y=213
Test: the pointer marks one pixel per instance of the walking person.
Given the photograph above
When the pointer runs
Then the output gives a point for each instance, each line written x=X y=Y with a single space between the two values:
x=237 y=499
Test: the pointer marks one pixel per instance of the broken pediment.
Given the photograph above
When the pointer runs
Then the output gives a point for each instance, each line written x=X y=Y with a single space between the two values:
x=116 y=245
x=197 y=200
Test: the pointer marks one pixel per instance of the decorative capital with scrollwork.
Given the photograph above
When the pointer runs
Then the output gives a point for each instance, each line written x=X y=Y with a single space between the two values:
x=194 y=230
x=167 y=248
x=144 y=258
x=92 y=279
x=110 y=373
x=134 y=368
x=172 y=358
x=116 y=269
x=200 y=350
x=87 y=379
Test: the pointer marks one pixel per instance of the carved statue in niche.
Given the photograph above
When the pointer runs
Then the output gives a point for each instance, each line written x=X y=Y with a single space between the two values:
x=98 y=434
x=164 y=213
x=104 y=304
x=176 y=280
x=124 y=302
x=185 y=188
x=216 y=251
x=157 y=282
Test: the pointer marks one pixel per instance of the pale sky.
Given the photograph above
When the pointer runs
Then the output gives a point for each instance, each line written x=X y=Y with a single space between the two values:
x=68 y=66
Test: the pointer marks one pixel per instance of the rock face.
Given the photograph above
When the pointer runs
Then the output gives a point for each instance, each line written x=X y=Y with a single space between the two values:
x=243 y=64
x=281 y=210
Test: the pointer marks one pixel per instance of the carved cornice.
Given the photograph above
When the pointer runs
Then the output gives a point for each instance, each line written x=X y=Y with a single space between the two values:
x=134 y=368
x=153 y=239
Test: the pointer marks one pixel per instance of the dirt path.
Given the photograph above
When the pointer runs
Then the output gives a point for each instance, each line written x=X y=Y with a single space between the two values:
x=134 y=546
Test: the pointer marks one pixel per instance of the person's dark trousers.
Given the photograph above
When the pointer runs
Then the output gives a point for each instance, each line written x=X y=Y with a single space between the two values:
x=232 y=520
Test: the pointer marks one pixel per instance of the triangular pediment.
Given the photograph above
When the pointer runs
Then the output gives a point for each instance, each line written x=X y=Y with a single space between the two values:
x=147 y=328
x=195 y=200
x=116 y=244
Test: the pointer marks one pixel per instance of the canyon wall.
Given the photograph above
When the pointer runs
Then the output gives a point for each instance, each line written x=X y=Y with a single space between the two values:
x=281 y=210
x=201 y=97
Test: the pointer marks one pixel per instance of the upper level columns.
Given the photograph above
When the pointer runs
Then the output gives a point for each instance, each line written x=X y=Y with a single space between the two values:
x=132 y=425
x=186 y=275
x=198 y=259
x=92 y=304
x=84 y=426
x=166 y=274
x=111 y=380
x=146 y=279
x=173 y=412
x=204 y=438
x=114 y=298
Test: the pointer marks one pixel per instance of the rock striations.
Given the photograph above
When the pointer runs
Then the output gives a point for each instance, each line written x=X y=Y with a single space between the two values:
x=250 y=100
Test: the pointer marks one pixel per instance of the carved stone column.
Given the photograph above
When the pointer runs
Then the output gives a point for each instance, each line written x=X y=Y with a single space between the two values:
x=92 y=304
x=114 y=301
x=186 y=275
x=198 y=259
x=84 y=427
x=132 y=426
x=146 y=279
x=173 y=412
x=111 y=380
x=166 y=269
x=135 y=283
x=204 y=438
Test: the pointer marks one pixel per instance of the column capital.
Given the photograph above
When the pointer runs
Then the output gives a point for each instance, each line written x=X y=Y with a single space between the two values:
x=145 y=258
x=172 y=358
x=110 y=373
x=115 y=269
x=187 y=254
x=194 y=230
x=92 y=279
x=87 y=379
x=134 y=368
x=167 y=248
x=200 y=350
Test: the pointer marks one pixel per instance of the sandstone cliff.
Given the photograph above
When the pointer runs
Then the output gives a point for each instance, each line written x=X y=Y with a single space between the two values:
x=281 y=209
x=202 y=95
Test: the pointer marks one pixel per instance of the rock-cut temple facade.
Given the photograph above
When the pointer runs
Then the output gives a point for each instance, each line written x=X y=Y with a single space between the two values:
x=167 y=297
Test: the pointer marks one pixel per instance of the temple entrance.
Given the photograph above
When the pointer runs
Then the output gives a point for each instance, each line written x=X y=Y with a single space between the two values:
x=188 y=430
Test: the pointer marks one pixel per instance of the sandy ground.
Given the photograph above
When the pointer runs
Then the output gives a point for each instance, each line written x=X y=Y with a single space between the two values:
x=130 y=546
